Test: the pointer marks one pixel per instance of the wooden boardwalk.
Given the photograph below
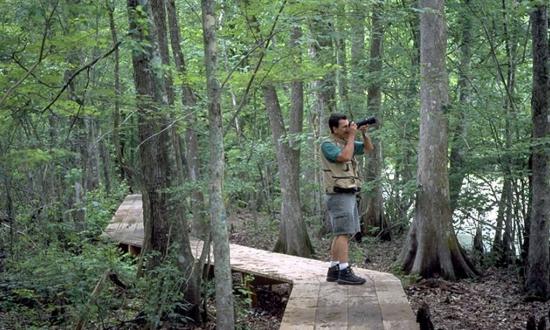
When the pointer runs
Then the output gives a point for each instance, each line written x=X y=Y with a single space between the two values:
x=313 y=303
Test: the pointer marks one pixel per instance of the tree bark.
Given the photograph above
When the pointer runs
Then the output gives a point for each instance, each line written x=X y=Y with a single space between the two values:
x=225 y=318
x=192 y=291
x=293 y=237
x=105 y=165
x=159 y=17
x=375 y=215
x=200 y=226
x=163 y=224
x=405 y=164
x=117 y=142
x=432 y=248
x=537 y=279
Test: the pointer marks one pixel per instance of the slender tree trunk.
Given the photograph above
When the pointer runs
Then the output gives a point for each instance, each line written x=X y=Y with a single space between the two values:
x=105 y=165
x=120 y=159
x=225 y=318
x=296 y=109
x=159 y=16
x=432 y=247
x=80 y=147
x=323 y=53
x=507 y=238
x=537 y=282
x=504 y=251
x=405 y=164
x=200 y=226
x=324 y=90
x=375 y=214
x=92 y=152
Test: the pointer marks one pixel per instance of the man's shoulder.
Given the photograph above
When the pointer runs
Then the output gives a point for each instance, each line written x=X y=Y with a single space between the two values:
x=328 y=139
x=327 y=143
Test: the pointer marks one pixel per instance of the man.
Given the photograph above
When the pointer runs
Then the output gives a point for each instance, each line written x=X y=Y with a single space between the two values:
x=341 y=183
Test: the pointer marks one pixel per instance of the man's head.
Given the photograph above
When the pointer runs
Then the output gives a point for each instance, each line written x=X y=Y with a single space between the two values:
x=338 y=124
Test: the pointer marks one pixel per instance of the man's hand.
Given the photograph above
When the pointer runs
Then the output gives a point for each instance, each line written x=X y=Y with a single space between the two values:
x=352 y=130
x=364 y=128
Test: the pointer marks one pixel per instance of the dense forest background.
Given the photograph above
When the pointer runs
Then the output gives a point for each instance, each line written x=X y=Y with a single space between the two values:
x=101 y=98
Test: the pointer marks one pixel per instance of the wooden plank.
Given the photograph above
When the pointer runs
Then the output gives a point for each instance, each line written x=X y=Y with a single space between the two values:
x=364 y=313
x=300 y=313
x=332 y=306
x=314 y=303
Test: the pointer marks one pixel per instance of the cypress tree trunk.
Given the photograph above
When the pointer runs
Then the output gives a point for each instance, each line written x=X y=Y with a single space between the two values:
x=537 y=282
x=163 y=223
x=293 y=237
x=190 y=268
x=432 y=247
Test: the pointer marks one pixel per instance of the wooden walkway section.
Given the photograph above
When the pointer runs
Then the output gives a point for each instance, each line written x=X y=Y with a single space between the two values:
x=314 y=303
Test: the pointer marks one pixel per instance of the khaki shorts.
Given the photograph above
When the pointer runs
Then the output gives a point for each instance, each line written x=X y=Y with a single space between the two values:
x=343 y=214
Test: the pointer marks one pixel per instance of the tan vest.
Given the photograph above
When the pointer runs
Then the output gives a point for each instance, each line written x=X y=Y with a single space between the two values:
x=339 y=175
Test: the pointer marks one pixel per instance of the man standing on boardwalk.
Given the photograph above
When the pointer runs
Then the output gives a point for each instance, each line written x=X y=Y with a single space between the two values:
x=341 y=184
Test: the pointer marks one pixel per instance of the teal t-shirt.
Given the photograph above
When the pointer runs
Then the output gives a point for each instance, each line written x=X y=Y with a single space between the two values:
x=331 y=150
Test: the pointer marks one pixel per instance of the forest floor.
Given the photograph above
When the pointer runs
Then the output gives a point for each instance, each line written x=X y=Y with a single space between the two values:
x=493 y=300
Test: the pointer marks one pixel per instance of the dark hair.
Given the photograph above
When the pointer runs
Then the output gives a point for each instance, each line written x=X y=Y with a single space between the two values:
x=334 y=120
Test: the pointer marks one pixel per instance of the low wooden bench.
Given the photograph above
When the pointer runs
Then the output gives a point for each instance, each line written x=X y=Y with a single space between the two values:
x=314 y=303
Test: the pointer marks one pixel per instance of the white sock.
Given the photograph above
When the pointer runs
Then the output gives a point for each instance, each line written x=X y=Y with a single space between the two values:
x=344 y=265
x=334 y=263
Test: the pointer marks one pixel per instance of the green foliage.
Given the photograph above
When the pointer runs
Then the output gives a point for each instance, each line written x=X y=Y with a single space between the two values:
x=161 y=291
x=242 y=291
x=54 y=285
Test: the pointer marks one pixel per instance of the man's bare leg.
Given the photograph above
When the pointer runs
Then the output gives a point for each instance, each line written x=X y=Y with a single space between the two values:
x=339 y=248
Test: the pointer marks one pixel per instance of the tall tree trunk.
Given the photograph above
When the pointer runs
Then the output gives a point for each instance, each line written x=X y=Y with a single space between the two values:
x=537 y=282
x=200 y=226
x=293 y=237
x=405 y=164
x=503 y=251
x=120 y=160
x=296 y=109
x=507 y=238
x=432 y=247
x=375 y=215
x=163 y=224
x=457 y=173
x=192 y=291
x=159 y=17
x=322 y=52
x=225 y=318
